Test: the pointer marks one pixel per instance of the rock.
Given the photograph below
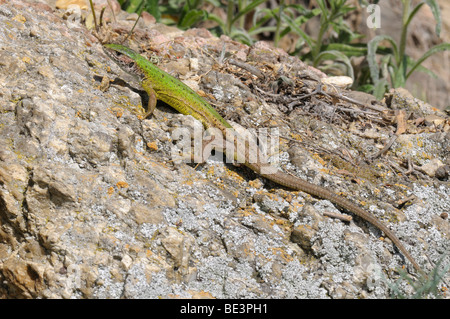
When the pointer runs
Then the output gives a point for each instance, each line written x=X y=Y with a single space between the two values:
x=432 y=166
x=93 y=204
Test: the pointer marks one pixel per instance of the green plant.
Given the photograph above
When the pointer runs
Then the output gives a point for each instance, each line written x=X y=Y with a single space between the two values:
x=330 y=18
x=137 y=6
x=233 y=26
x=279 y=21
x=424 y=287
x=329 y=50
x=288 y=17
x=324 y=47
x=396 y=67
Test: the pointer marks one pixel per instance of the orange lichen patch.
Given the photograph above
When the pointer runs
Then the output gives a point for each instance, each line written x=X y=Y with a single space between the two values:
x=319 y=159
x=110 y=190
x=280 y=252
x=200 y=294
x=255 y=183
x=376 y=191
x=20 y=18
x=152 y=146
x=297 y=137
x=234 y=175
x=247 y=211
x=116 y=111
x=122 y=184
x=288 y=196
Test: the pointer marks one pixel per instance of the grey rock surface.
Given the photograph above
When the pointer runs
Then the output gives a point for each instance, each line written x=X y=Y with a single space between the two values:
x=92 y=205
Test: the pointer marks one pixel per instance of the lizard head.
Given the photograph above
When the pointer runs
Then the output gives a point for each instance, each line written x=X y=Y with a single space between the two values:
x=123 y=57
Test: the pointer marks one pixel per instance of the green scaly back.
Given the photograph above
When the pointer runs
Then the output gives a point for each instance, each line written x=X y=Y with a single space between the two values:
x=169 y=89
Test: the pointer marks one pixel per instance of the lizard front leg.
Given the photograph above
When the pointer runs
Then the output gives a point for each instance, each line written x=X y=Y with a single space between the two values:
x=152 y=98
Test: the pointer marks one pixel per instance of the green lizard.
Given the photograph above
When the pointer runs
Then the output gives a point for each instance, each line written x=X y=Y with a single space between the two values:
x=160 y=85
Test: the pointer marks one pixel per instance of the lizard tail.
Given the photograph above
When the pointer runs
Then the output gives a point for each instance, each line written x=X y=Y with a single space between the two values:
x=296 y=183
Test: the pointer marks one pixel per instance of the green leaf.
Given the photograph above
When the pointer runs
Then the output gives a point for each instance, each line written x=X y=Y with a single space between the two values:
x=291 y=23
x=399 y=78
x=420 y=68
x=218 y=20
x=323 y=7
x=133 y=5
x=348 y=49
x=215 y=3
x=261 y=30
x=380 y=88
x=434 y=6
x=192 y=17
x=412 y=14
x=152 y=7
x=335 y=55
x=247 y=9
x=433 y=50
x=260 y=18
x=242 y=35
x=372 y=47
x=303 y=18
x=365 y=88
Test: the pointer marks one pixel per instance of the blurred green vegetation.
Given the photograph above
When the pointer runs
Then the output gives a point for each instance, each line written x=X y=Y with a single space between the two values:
x=330 y=49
